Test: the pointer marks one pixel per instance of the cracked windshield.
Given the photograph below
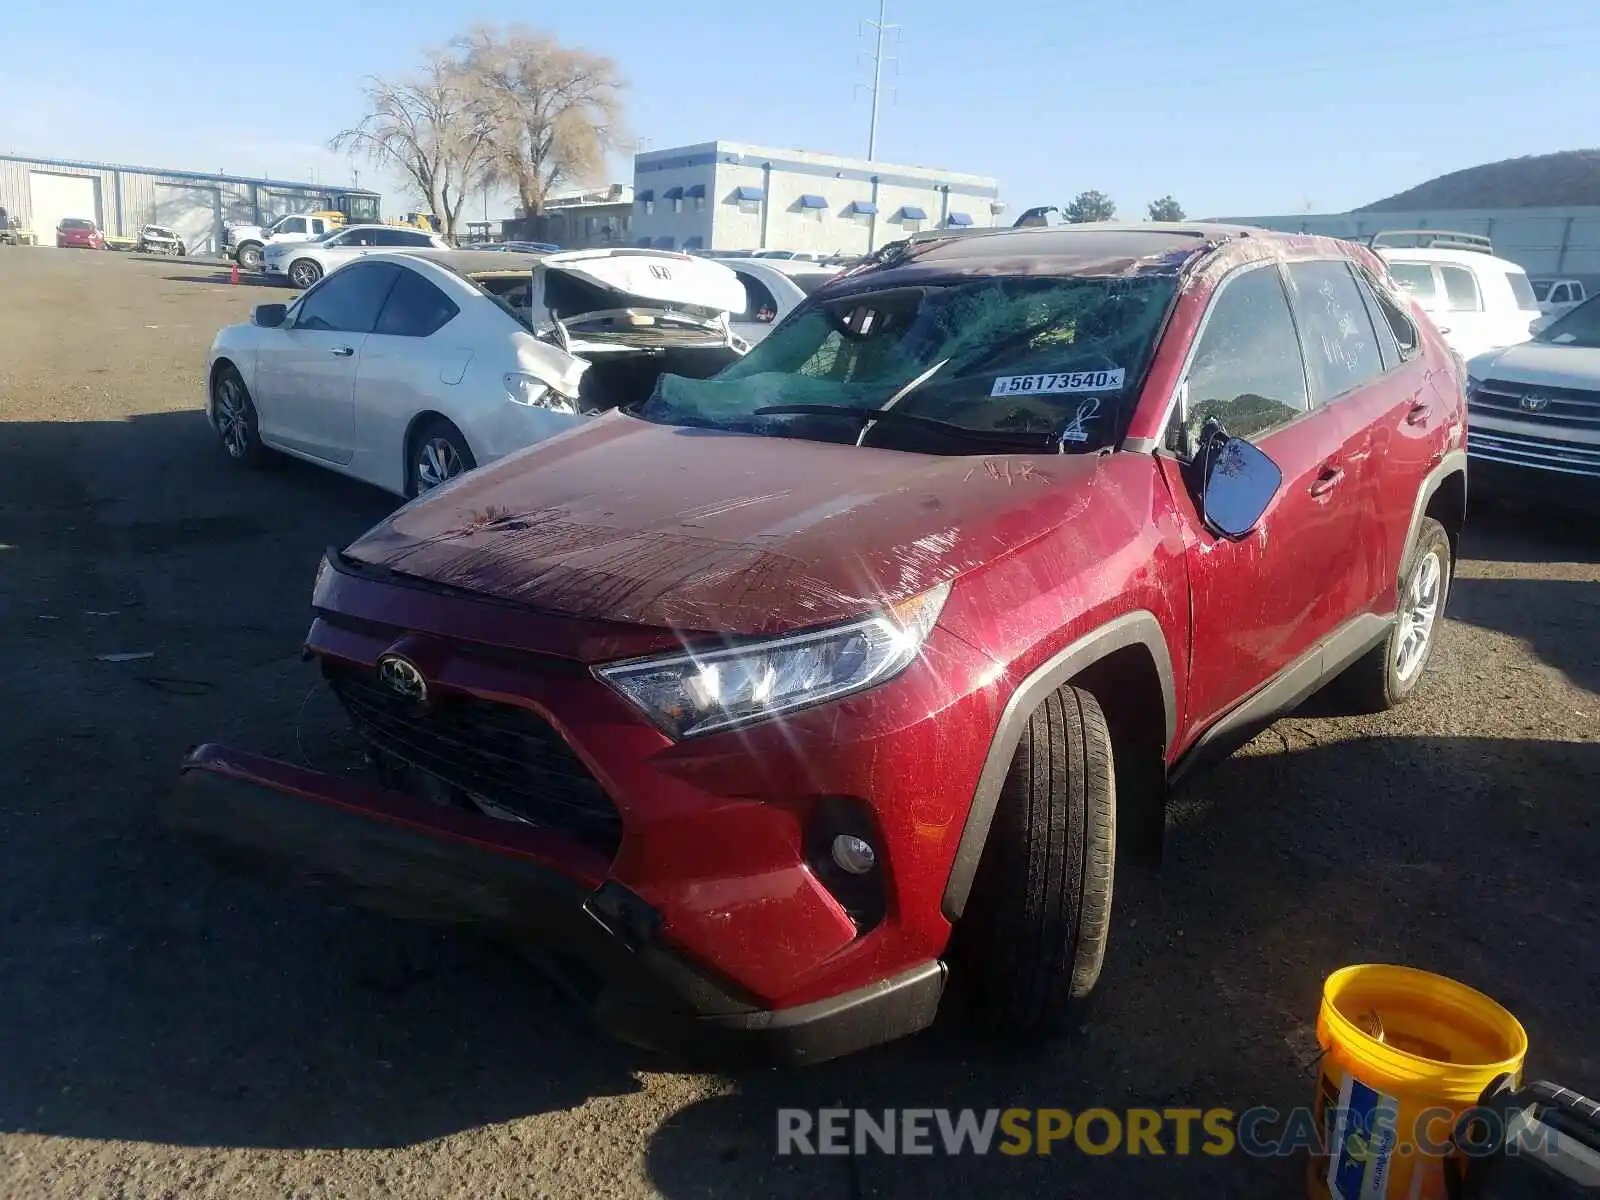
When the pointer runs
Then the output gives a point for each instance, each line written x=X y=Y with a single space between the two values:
x=1035 y=358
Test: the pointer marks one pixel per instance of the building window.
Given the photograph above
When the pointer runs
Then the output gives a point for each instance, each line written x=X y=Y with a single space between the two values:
x=911 y=217
x=697 y=193
x=648 y=199
x=748 y=199
x=676 y=196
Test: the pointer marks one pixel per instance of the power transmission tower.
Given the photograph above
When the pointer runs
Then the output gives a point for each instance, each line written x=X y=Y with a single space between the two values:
x=880 y=30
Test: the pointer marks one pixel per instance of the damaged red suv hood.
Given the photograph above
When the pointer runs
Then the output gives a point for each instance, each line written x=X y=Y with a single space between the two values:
x=625 y=520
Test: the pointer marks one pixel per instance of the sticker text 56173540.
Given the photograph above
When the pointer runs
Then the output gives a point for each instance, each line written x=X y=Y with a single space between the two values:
x=1059 y=381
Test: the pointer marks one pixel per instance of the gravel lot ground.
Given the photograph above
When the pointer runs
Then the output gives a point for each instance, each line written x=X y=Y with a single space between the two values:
x=168 y=1029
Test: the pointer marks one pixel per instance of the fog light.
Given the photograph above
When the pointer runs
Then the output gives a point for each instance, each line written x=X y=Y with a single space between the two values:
x=854 y=854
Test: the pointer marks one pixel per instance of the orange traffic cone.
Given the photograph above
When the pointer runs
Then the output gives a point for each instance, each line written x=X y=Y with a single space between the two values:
x=236 y=273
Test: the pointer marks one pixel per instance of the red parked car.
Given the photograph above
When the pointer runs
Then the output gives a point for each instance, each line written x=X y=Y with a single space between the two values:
x=79 y=232
x=765 y=705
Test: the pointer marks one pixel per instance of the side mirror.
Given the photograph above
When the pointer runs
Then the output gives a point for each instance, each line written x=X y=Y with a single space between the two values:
x=1240 y=481
x=269 y=316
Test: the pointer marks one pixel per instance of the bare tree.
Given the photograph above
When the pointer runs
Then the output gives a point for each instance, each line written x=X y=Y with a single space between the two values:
x=428 y=126
x=553 y=112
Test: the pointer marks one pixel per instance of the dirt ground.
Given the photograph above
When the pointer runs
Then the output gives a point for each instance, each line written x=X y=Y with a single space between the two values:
x=168 y=1029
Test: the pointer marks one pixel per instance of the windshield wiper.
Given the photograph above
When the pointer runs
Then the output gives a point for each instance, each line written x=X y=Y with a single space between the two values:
x=982 y=437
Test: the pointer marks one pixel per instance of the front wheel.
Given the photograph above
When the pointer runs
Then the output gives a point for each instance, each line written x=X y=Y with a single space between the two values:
x=249 y=256
x=438 y=454
x=1029 y=947
x=235 y=416
x=304 y=273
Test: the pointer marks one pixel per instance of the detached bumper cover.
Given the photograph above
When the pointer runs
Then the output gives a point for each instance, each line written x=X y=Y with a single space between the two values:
x=408 y=857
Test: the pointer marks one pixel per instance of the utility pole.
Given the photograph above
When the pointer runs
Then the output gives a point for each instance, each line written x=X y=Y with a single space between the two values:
x=880 y=29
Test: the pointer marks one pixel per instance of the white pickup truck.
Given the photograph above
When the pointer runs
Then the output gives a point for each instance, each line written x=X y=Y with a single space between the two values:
x=243 y=243
x=1557 y=297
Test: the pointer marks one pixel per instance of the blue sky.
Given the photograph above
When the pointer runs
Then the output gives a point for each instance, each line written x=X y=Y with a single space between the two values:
x=1236 y=107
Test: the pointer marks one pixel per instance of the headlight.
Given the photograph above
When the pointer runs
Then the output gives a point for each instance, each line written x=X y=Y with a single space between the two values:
x=689 y=694
x=531 y=392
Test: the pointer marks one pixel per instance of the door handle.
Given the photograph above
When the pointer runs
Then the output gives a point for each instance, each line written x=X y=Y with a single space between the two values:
x=342 y=351
x=1419 y=413
x=1327 y=479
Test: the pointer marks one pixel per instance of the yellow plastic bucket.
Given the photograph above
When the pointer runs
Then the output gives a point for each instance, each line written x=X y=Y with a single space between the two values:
x=1404 y=1053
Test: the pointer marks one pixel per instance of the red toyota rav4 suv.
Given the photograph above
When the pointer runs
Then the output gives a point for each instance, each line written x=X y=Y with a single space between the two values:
x=764 y=705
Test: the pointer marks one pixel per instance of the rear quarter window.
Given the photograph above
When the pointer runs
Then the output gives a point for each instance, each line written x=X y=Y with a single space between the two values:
x=1416 y=279
x=1522 y=289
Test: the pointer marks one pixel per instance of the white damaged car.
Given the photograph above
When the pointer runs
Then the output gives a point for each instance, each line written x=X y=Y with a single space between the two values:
x=404 y=370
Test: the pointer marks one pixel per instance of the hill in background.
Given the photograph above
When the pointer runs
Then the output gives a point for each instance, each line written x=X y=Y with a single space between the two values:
x=1568 y=177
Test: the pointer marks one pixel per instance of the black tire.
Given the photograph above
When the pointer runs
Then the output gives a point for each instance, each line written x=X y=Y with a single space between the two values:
x=1376 y=683
x=435 y=452
x=234 y=416
x=248 y=256
x=304 y=273
x=1031 y=941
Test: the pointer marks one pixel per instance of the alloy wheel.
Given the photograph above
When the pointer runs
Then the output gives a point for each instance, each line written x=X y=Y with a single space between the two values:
x=233 y=418
x=437 y=461
x=304 y=274
x=1418 y=616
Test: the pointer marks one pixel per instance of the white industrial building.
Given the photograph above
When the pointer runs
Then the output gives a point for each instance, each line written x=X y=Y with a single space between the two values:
x=1547 y=243
x=40 y=192
x=734 y=196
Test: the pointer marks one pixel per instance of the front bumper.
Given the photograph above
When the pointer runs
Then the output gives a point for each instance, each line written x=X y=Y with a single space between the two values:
x=598 y=939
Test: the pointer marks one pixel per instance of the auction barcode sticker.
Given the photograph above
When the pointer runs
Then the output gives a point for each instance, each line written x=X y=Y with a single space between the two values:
x=1064 y=381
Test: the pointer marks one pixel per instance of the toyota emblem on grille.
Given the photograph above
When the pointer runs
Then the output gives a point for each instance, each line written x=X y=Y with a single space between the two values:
x=1534 y=402
x=659 y=271
x=402 y=677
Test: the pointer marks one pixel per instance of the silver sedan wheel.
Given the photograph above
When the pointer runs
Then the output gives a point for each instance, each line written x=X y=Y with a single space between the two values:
x=437 y=461
x=1418 y=616
x=232 y=410
x=304 y=273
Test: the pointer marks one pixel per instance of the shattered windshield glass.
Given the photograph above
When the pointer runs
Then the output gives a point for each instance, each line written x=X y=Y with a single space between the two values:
x=1041 y=358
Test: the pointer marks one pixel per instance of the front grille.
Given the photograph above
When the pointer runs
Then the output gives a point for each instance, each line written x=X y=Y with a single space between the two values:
x=507 y=756
x=1543 y=454
x=1574 y=408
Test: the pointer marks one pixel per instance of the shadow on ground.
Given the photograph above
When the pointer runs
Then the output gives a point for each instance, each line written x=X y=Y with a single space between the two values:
x=148 y=994
x=1282 y=868
x=152 y=996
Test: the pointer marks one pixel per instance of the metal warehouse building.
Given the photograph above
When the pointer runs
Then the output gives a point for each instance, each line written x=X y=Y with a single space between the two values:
x=1544 y=242
x=122 y=199
x=733 y=196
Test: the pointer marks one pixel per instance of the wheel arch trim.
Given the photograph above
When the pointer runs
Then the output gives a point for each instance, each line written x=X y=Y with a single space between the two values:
x=1454 y=462
x=1138 y=628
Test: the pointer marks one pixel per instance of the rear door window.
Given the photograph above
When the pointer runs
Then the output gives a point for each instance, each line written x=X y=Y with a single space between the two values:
x=1341 y=343
x=1460 y=289
x=1247 y=370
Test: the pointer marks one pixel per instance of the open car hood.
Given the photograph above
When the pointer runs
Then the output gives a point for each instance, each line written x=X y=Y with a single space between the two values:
x=645 y=279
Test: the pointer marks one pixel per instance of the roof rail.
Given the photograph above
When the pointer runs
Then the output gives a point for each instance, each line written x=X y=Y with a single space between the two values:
x=1432 y=239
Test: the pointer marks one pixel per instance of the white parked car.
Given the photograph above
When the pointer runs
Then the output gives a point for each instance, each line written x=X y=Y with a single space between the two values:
x=1536 y=405
x=303 y=263
x=772 y=287
x=407 y=369
x=1479 y=301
